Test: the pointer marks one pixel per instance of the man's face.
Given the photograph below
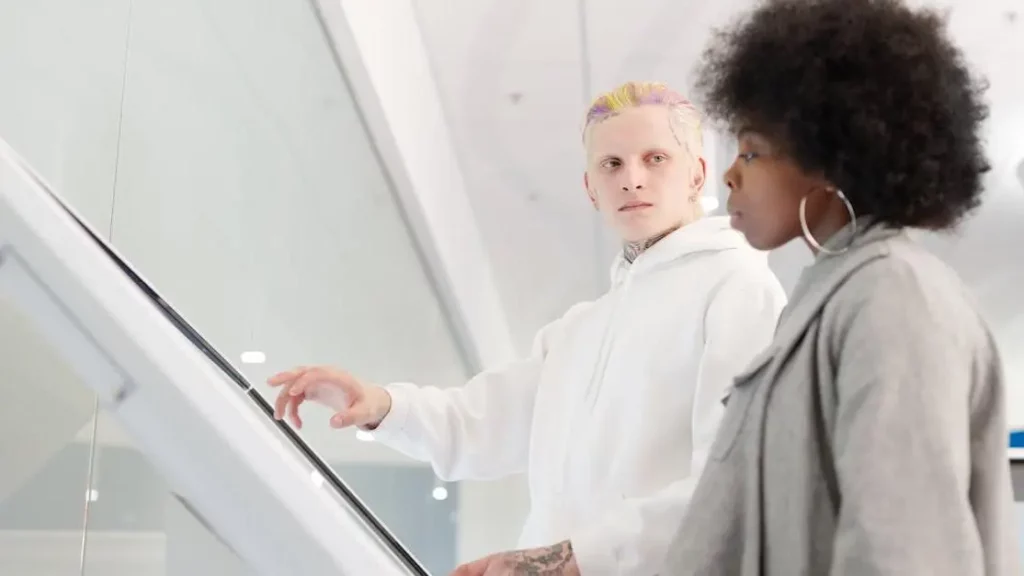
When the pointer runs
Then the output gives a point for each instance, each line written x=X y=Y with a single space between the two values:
x=639 y=176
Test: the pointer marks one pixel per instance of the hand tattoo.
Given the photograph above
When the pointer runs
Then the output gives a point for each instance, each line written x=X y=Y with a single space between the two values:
x=555 y=560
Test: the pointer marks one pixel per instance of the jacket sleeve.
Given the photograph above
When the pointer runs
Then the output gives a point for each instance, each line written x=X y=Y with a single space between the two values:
x=910 y=459
x=739 y=323
x=479 y=431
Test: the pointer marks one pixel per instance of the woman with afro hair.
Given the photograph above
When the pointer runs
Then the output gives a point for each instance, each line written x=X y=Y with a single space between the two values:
x=870 y=436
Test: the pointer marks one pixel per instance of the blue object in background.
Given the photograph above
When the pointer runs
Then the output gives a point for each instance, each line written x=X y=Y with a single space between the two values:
x=1017 y=439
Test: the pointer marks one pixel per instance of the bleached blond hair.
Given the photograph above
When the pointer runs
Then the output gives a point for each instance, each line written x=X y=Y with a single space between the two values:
x=685 y=118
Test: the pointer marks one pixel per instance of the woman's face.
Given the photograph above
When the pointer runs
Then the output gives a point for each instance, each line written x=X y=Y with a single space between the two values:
x=765 y=189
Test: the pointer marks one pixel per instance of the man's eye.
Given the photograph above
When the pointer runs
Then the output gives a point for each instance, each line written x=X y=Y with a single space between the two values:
x=748 y=156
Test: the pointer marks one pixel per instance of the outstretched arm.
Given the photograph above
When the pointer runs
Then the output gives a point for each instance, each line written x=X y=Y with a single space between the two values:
x=480 y=431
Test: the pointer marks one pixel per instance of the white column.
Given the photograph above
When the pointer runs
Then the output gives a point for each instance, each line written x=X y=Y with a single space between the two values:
x=381 y=49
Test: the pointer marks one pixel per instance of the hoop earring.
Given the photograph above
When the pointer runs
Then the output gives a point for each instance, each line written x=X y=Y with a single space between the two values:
x=810 y=237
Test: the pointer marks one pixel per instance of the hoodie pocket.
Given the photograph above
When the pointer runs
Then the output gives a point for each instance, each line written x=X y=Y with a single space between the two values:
x=737 y=405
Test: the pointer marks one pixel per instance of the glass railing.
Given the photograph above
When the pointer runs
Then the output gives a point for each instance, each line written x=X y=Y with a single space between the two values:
x=81 y=328
x=219 y=148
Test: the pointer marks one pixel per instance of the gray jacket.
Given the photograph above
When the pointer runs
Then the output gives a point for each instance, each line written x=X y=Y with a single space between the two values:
x=870 y=437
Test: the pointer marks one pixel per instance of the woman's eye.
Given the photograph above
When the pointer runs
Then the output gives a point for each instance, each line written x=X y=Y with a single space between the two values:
x=748 y=156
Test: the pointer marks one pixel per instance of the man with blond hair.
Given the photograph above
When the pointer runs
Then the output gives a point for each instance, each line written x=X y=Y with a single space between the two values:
x=613 y=413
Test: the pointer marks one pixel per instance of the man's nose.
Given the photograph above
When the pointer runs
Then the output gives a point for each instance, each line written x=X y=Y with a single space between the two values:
x=633 y=179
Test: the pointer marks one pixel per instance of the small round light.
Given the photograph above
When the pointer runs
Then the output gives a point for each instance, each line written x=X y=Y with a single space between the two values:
x=364 y=436
x=440 y=493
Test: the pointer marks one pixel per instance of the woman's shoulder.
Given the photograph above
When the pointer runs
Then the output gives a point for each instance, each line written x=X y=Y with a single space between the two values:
x=907 y=288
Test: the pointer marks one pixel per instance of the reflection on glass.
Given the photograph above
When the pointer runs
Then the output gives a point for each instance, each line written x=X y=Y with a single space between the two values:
x=44 y=452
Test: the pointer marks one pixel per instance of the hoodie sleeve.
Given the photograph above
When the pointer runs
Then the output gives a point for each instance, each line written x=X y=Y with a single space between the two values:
x=478 y=431
x=739 y=323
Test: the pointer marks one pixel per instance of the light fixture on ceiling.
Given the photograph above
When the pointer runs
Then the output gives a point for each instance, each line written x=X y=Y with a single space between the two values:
x=364 y=436
x=253 y=357
x=92 y=495
x=317 y=478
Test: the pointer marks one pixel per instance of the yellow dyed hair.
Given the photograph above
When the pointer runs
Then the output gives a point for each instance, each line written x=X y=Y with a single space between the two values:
x=685 y=118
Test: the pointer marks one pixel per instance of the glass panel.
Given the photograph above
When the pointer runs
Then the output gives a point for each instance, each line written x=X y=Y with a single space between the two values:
x=240 y=164
x=138 y=528
x=248 y=192
x=45 y=431
x=230 y=467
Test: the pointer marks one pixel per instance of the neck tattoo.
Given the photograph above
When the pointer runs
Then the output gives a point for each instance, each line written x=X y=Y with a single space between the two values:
x=634 y=249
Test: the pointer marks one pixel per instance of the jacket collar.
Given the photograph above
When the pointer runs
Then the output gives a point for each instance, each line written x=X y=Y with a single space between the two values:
x=822 y=278
x=709 y=234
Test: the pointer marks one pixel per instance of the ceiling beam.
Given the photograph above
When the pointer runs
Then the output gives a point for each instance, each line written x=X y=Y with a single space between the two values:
x=381 y=54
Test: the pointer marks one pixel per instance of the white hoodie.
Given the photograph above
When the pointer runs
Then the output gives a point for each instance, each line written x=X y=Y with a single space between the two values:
x=614 y=411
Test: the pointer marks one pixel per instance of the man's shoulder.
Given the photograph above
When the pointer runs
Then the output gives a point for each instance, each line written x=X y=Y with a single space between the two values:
x=746 y=268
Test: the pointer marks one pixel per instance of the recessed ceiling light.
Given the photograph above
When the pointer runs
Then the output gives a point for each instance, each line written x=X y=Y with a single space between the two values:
x=440 y=493
x=317 y=478
x=709 y=203
x=364 y=436
x=253 y=357
x=93 y=495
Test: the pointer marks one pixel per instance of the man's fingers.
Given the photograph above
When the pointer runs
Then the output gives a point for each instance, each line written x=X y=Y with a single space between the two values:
x=474 y=568
x=281 y=403
x=308 y=378
x=293 y=410
x=467 y=570
x=357 y=415
x=285 y=377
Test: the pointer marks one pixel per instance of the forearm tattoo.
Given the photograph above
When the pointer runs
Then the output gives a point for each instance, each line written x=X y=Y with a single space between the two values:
x=549 y=561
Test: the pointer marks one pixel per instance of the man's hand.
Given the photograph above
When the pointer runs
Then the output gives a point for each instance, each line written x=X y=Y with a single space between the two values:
x=354 y=403
x=557 y=560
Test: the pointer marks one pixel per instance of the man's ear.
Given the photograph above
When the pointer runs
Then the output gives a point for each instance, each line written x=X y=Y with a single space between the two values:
x=700 y=175
x=590 y=193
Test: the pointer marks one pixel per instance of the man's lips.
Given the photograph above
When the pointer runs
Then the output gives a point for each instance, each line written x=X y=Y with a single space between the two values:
x=629 y=206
